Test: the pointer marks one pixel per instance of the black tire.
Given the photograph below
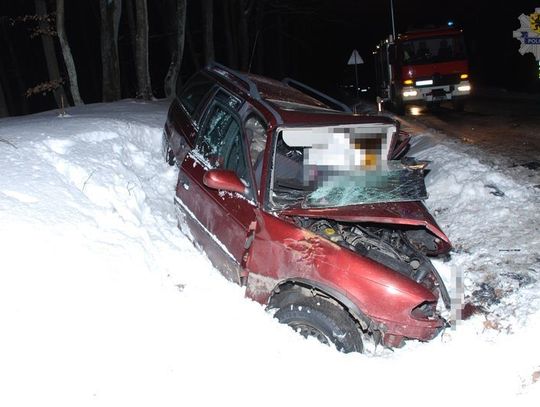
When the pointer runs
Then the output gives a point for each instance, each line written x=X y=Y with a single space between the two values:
x=319 y=318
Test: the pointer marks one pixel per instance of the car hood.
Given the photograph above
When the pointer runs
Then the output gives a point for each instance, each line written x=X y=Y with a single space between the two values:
x=396 y=213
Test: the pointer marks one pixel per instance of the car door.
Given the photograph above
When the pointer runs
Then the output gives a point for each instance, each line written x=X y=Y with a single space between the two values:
x=220 y=221
x=185 y=112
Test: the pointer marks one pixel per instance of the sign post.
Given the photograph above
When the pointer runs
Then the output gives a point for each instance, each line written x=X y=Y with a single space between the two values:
x=355 y=59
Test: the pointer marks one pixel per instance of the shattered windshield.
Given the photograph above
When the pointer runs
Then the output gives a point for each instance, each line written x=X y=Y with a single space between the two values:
x=341 y=166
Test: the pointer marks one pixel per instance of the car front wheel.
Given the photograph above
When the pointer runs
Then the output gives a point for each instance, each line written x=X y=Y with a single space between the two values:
x=319 y=318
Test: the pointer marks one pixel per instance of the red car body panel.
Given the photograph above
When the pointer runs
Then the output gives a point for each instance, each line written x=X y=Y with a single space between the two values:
x=226 y=215
x=282 y=251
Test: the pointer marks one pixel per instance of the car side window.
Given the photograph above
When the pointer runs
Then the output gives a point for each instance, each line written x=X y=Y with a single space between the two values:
x=220 y=143
x=232 y=101
x=193 y=93
x=256 y=138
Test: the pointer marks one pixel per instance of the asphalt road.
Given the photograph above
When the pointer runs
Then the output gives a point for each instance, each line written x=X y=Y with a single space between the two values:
x=501 y=123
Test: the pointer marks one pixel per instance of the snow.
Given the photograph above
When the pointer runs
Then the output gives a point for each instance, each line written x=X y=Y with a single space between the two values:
x=103 y=300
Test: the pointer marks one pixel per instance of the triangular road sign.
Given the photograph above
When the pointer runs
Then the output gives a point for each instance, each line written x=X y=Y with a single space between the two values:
x=355 y=58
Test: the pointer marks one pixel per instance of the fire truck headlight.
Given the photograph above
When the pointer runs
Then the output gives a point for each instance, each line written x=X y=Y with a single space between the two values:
x=464 y=88
x=409 y=93
x=464 y=76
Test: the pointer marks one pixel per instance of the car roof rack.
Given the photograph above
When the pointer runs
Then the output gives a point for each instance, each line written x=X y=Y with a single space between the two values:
x=251 y=87
x=303 y=86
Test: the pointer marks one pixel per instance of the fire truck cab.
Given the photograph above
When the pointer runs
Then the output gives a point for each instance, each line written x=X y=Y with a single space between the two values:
x=425 y=66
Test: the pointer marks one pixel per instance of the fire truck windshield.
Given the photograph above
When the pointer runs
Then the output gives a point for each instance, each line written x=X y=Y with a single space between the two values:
x=432 y=50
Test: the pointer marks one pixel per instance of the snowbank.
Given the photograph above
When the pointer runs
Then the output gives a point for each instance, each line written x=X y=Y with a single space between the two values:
x=104 y=302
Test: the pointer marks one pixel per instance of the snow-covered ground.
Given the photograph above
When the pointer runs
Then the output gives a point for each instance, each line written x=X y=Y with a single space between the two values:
x=104 y=302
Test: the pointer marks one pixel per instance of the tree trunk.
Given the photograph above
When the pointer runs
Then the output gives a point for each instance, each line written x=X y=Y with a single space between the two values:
x=18 y=103
x=110 y=11
x=141 y=53
x=130 y=9
x=258 y=49
x=5 y=100
x=50 y=55
x=3 y=104
x=229 y=24
x=208 y=24
x=244 y=35
x=191 y=46
x=176 y=59
x=66 y=52
x=280 y=52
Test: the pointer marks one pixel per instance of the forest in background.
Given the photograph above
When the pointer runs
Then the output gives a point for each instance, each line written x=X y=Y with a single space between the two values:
x=57 y=53
x=104 y=50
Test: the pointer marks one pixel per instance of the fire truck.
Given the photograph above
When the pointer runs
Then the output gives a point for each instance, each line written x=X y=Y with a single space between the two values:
x=423 y=66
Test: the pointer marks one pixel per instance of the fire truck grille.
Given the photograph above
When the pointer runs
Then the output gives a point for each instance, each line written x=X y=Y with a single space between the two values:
x=441 y=80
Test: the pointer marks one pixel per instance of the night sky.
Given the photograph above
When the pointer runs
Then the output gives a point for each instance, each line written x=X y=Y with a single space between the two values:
x=318 y=37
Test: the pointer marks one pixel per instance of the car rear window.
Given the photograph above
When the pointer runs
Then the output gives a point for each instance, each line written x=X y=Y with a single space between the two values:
x=193 y=93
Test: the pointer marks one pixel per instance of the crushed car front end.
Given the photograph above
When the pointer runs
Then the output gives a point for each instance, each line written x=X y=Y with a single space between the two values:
x=382 y=267
x=349 y=224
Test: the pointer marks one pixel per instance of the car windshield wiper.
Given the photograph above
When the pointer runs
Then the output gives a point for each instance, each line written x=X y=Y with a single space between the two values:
x=285 y=196
x=290 y=184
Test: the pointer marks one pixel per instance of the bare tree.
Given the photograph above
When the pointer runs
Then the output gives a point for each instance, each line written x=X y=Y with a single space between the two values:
x=110 y=11
x=4 y=110
x=141 y=52
x=195 y=57
x=208 y=24
x=3 y=104
x=229 y=33
x=12 y=65
x=66 y=52
x=257 y=53
x=236 y=15
x=132 y=25
x=177 y=55
x=46 y=34
x=245 y=10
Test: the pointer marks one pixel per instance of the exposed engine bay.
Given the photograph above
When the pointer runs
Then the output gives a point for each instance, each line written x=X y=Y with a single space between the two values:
x=402 y=250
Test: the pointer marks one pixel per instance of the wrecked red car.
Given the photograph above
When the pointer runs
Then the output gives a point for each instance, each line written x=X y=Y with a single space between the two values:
x=306 y=205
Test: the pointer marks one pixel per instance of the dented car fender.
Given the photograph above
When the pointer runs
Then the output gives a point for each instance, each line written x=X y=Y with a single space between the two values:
x=281 y=251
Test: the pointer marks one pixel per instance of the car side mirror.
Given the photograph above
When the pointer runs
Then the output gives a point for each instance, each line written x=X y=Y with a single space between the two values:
x=225 y=180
